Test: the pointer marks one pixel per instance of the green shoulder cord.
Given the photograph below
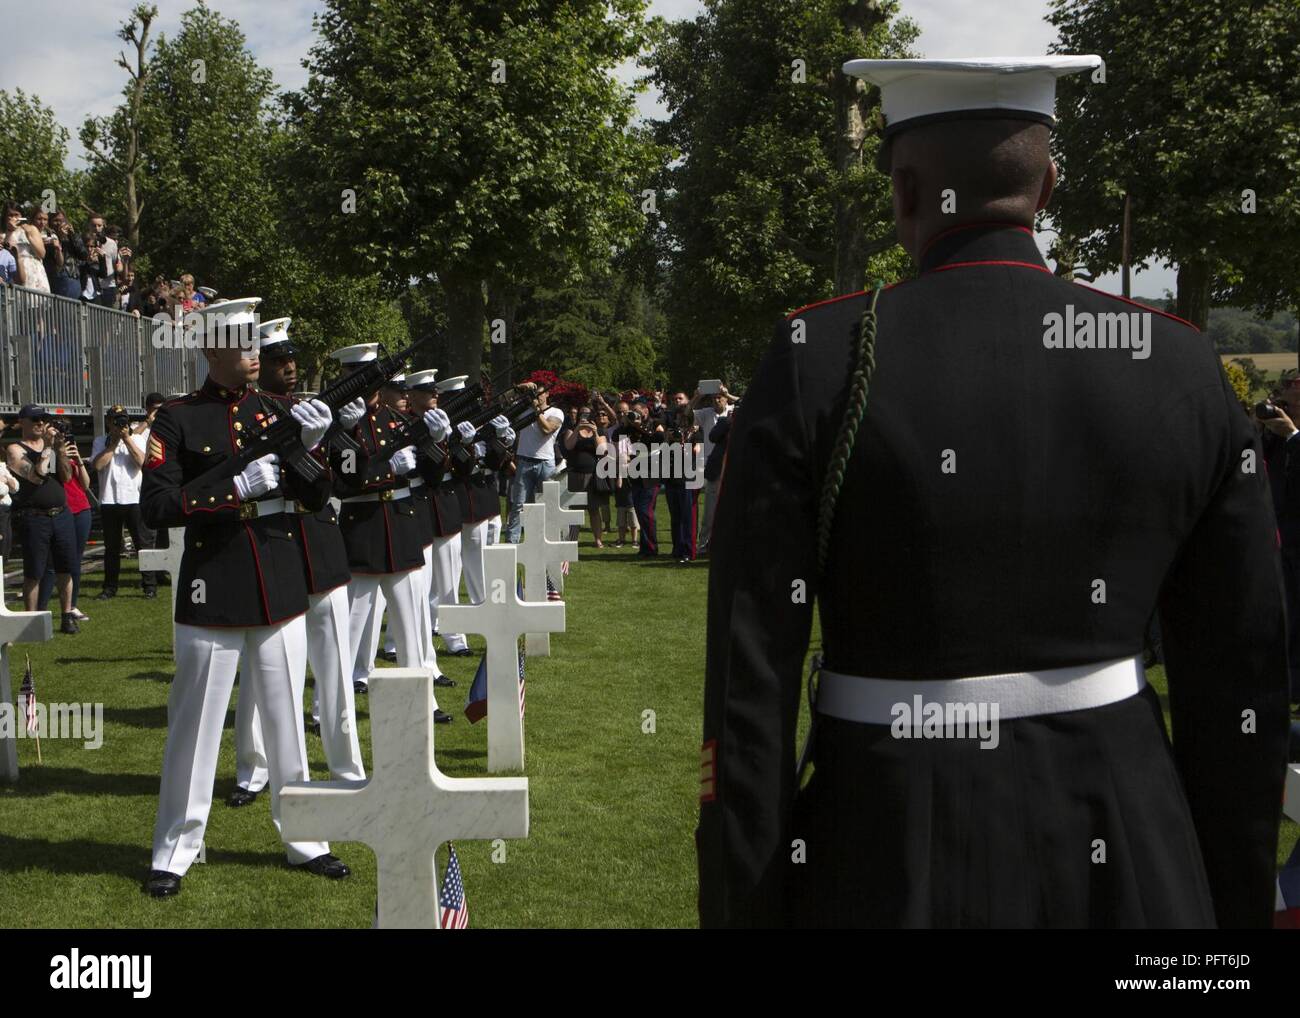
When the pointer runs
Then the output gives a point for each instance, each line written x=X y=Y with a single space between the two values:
x=864 y=366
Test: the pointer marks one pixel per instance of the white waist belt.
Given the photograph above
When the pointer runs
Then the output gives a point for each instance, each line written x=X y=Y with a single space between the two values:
x=1017 y=694
x=267 y=507
x=415 y=482
x=378 y=496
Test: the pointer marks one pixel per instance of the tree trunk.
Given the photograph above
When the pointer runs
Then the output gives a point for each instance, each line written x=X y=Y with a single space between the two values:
x=861 y=19
x=1193 y=303
x=465 y=320
x=503 y=304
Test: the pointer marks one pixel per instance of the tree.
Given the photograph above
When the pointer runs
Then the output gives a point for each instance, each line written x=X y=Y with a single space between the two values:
x=480 y=143
x=113 y=144
x=33 y=149
x=1199 y=105
x=218 y=185
x=775 y=201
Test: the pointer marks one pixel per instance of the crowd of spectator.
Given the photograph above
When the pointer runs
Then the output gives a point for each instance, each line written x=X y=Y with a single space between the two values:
x=45 y=252
x=620 y=447
x=47 y=496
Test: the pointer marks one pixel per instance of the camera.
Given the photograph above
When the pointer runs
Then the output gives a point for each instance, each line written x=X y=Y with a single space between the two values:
x=116 y=421
x=1266 y=411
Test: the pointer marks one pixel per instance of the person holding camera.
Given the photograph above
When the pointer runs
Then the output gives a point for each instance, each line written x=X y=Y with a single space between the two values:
x=8 y=486
x=108 y=264
x=643 y=431
x=24 y=241
x=584 y=446
x=118 y=458
x=71 y=256
x=1281 y=445
x=40 y=510
x=534 y=458
x=712 y=404
x=682 y=467
x=77 y=488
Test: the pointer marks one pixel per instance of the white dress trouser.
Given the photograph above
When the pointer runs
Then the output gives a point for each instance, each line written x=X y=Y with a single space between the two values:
x=474 y=538
x=446 y=583
x=407 y=605
x=330 y=657
x=206 y=661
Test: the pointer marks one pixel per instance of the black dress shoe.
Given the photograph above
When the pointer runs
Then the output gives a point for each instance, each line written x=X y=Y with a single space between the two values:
x=241 y=797
x=106 y=595
x=359 y=688
x=389 y=656
x=313 y=727
x=442 y=680
x=69 y=624
x=441 y=717
x=327 y=866
x=161 y=884
x=463 y=652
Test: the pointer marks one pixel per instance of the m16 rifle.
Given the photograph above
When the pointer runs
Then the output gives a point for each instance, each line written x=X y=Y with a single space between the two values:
x=284 y=435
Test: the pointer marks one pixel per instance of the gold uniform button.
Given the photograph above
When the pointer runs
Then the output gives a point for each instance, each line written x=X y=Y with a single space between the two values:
x=212 y=498
x=238 y=426
x=290 y=533
x=198 y=544
x=207 y=448
x=239 y=442
x=382 y=442
x=229 y=497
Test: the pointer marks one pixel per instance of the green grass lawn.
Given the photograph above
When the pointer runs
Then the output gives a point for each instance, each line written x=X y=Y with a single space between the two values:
x=612 y=808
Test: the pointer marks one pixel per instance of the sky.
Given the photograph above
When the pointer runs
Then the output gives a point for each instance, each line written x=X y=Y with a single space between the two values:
x=78 y=77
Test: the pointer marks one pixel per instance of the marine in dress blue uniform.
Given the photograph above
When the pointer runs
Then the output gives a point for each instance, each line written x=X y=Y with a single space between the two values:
x=243 y=589
x=1004 y=546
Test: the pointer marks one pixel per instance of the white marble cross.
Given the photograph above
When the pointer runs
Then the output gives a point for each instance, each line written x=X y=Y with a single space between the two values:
x=556 y=496
x=503 y=618
x=408 y=807
x=16 y=627
x=167 y=560
x=537 y=553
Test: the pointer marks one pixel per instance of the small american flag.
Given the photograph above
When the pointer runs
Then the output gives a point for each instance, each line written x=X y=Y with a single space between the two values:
x=476 y=700
x=453 y=909
x=521 y=683
x=551 y=593
x=1287 y=916
x=28 y=693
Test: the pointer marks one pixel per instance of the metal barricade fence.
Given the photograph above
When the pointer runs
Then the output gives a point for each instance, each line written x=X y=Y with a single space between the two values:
x=78 y=358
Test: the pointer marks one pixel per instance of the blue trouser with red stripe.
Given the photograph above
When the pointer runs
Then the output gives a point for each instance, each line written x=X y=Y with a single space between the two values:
x=682 y=502
x=643 y=501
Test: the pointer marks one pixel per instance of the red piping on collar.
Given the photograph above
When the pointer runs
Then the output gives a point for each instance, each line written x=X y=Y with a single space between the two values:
x=1156 y=311
x=963 y=265
x=828 y=300
x=973 y=226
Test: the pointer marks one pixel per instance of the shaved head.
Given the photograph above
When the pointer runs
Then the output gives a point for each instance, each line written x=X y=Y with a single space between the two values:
x=998 y=170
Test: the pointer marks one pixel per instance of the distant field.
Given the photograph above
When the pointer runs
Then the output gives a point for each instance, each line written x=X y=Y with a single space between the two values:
x=1269 y=363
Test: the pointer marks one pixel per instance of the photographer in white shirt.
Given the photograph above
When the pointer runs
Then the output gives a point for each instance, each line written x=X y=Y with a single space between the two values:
x=117 y=458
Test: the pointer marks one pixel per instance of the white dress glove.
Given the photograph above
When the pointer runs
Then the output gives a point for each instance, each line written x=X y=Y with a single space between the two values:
x=466 y=430
x=500 y=424
x=508 y=439
x=315 y=419
x=258 y=478
x=480 y=449
x=438 y=423
x=352 y=413
x=403 y=461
